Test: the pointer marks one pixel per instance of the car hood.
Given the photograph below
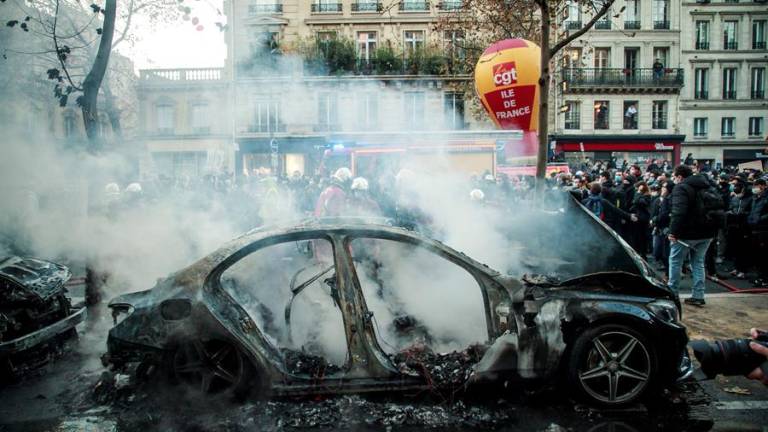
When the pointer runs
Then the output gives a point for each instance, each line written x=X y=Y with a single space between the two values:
x=37 y=278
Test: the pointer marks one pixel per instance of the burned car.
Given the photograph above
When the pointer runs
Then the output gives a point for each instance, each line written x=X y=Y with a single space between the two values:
x=36 y=315
x=341 y=305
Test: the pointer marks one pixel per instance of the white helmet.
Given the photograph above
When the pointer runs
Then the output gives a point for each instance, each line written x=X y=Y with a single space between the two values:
x=360 y=183
x=343 y=174
x=476 y=195
x=489 y=177
x=133 y=188
x=112 y=189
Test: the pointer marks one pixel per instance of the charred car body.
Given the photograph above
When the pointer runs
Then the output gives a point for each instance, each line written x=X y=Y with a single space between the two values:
x=322 y=308
x=36 y=315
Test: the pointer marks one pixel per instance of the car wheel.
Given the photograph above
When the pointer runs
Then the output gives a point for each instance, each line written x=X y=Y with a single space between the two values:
x=212 y=366
x=612 y=365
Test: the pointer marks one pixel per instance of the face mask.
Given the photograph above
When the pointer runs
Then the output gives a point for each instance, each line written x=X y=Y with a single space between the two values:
x=756 y=191
x=654 y=194
x=617 y=179
x=731 y=188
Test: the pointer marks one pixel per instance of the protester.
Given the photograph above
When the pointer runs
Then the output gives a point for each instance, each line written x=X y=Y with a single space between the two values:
x=688 y=233
x=757 y=221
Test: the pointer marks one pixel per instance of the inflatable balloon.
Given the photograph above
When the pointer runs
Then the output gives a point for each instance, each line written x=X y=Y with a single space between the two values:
x=506 y=81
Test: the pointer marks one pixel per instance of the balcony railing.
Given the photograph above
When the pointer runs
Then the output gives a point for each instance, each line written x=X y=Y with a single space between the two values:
x=729 y=94
x=733 y=45
x=573 y=25
x=326 y=7
x=168 y=75
x=367 y=7
x=702 y=46
x=758 y=45
x=728 y=134
x=661 y=25
x=631 y=25
x=450 y=5
x=758 y=94
x=265 y=9
x=660 y=123
x=414 y=6
x=578 y=78
x=701 y=95
x=266 y=128
x=603 y=25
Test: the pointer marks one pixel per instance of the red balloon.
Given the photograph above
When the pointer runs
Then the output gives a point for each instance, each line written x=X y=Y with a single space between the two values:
x=200 y=28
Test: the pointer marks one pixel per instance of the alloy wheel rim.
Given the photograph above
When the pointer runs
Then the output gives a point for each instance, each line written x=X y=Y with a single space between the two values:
x=208 y=366
x=616 y=369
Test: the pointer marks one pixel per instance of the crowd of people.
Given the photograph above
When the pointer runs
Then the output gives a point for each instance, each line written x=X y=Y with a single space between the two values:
x=640 y=204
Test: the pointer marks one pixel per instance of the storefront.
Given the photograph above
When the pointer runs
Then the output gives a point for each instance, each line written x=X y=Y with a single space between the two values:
x=632 y=148
x=736 y=157
x=280 y=155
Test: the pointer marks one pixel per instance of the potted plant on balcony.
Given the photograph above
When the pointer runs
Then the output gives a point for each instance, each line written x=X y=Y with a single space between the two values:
x=387 y=60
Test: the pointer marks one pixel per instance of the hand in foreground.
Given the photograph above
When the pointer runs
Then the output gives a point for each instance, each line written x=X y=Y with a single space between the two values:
x=758 y=374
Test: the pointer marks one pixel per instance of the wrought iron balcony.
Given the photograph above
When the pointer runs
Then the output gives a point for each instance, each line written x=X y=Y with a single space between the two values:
x=414 y=6
x=603 y=25
x=758 y=45
x=180 y=75
x=265 y=9
x=326 y=7
x=661 y=25
x=733 y=45
x=604 y=80
x=450 y=5
x=631 y=25
x=729 y=94
x=702 y=46
x=659 y=123
x=367 y=7
x=758 y=94
x=701 y=95
x=573 y=25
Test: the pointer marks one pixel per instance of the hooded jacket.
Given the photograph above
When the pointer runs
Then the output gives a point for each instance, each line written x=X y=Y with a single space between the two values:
x=686 y=222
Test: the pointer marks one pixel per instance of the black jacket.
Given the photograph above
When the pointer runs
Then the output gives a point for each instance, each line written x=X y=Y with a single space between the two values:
x=686 y=223
x=758 y=213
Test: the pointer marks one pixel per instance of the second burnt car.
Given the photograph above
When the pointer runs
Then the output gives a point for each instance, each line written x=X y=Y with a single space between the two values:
x=36 y=315
x=340 y=306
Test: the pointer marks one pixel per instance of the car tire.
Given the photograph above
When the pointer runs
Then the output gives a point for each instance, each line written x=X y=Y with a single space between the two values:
x=212 y=367
x=612 y=365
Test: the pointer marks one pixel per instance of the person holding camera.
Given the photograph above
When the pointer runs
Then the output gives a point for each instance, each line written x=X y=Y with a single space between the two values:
x=758 y=373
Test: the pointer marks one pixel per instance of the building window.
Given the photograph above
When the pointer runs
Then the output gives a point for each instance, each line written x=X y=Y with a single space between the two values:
x=756 y=126
x=659 y=119
x=701 y=83
x=572 y=58
x=573 y=115
x=413 y=40
x=454 y=110
x=266 y=117
x=727 y=127
x=729 y=83
x=326 y=6
x=573 y=21
x=260 y=7
x=757 y=83
x=758 y=34
x=662 y=55
x=661 y=14
x=324 y=39
x=366 y=6
x=730 y=41
x=366 y=45
x=70 y=123
x=602 y=58
x=262 y=42
x=327 y=112
x=200 y=118
x=700 y=127
x=165 y=121
x=413 y=109
x=454 y=43
x=367 y=109
x=602 y=114
x=632 y=15
x=630 y=114
x=702 y=35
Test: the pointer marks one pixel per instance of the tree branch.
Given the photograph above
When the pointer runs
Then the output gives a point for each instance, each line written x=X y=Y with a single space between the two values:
x=607 y=5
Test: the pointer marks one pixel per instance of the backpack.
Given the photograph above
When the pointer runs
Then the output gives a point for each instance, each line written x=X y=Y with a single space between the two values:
x=595 y=206
x=710 y=207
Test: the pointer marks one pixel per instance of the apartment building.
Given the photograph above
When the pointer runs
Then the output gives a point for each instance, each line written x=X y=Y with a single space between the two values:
x=302 y=77
x=618 y=87
x=723 y=107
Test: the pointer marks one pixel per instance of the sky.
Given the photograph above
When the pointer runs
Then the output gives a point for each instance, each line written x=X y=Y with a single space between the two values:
x=181 y=43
